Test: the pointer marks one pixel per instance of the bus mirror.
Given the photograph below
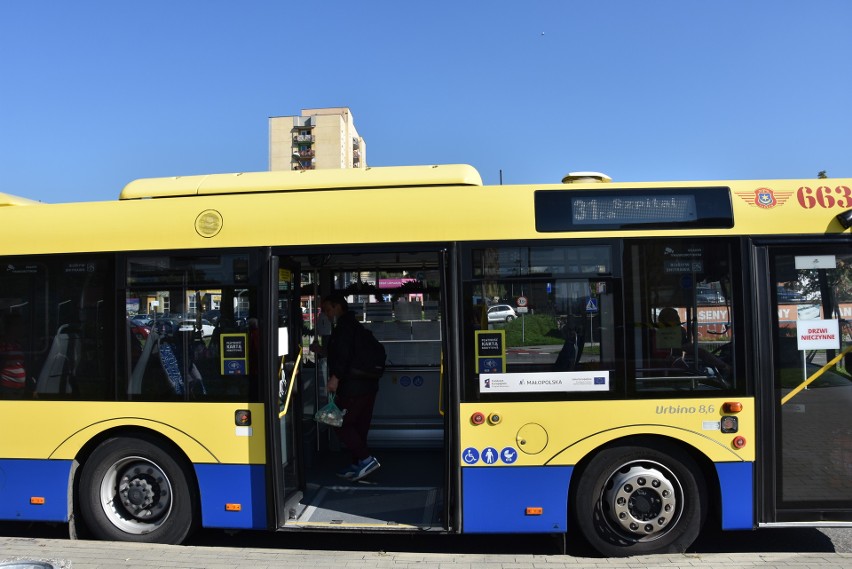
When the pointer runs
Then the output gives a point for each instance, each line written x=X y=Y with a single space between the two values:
x=845 y=218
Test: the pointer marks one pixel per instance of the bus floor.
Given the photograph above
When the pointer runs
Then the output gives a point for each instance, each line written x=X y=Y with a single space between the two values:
x=406 y=493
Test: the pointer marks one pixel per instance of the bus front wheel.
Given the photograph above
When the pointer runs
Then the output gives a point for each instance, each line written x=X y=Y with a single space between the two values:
x=132 y=489
x=638 y=500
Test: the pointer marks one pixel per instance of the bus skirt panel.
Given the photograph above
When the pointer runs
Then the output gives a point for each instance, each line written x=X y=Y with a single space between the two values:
x=232 y=495
x=736 y=484
x=522 y=499
x=34 y=490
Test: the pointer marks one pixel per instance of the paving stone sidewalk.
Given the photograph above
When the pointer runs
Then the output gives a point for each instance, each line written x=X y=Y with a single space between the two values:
x=66 y=554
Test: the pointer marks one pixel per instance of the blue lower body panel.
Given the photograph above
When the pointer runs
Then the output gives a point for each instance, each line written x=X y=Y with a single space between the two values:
x=495 y=500
x=736 y=484
x=34 y=490
x=232 y=484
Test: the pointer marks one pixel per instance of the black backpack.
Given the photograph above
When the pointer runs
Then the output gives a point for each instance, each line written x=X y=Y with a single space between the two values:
x=369 y=359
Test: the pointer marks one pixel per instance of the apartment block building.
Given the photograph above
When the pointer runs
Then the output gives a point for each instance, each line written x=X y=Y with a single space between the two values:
x=316 y=139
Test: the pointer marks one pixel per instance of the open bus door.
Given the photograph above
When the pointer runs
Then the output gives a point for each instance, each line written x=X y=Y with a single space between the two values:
x=808 y=450
x=409 y=433
x=286 y=455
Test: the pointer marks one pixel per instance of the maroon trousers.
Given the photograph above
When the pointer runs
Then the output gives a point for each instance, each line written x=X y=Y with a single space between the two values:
x=356 y=424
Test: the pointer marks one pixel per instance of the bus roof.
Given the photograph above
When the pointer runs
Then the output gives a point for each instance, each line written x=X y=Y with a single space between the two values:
x=283 y=181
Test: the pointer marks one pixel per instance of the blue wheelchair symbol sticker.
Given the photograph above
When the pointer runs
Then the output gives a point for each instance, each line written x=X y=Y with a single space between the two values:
x=508 y=455
x=489 y=455
x=470 y=455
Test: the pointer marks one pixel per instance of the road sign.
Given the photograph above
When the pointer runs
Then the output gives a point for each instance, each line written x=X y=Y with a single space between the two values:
x=592 y=304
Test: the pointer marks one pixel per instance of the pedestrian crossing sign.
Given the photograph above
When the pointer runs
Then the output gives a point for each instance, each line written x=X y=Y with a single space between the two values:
x=592 y=304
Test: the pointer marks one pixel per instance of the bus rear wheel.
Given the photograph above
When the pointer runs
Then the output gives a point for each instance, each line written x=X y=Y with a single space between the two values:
x=132 y=489
x=638 y=500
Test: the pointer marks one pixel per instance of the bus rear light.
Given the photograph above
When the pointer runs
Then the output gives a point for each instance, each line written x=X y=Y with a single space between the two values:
x=233 y=507
x=732 y=407
x=242 y=417
x=494 y=418
x=739 y=442
x=534 y=511
x=477 y=418
x=37 y=500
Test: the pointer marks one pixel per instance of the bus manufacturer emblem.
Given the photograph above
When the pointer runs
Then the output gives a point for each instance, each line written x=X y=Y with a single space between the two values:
x=208 y=223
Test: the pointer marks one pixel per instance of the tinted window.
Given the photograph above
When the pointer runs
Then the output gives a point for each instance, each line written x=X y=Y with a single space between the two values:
x=594 y=319
x=56 y=328
x=192 y=328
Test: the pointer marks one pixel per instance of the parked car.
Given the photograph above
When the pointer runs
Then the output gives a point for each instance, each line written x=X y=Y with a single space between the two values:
x=141 y=320
x=191 y=325
x=786 y=296
x=501 y=313
x=709 y=296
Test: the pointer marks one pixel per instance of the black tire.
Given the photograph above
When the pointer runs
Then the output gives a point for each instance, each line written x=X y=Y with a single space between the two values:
x=132 y=489
x=639 y=500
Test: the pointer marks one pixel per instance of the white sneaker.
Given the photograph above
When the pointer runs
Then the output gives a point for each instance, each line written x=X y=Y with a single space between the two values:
x=365 y=467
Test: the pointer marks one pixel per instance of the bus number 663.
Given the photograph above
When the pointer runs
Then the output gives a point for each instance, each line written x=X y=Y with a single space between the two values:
x=824 y=197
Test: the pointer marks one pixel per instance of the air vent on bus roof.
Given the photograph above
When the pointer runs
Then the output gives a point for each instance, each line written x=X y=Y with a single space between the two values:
x=303 y=180
x=586 y=178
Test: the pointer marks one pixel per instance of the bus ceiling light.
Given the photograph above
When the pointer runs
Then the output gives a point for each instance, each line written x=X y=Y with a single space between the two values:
x=586 y=178
x=732 y=407
x=845 y=218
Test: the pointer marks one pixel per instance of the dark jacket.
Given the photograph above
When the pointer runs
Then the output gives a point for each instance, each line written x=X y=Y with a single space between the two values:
x=341 y=354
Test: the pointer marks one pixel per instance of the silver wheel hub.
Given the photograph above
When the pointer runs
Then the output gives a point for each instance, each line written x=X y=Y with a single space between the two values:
x=136 y=495
x=641 y=500
x=137 y=491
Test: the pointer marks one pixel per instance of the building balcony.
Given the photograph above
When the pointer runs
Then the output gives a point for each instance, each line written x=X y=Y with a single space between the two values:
x=304 y=153
x=303 y=138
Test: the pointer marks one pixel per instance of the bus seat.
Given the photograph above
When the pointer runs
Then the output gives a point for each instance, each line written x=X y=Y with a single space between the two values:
x=171 y=360
x=57 y=374
x=171 y=365
x=138 y=373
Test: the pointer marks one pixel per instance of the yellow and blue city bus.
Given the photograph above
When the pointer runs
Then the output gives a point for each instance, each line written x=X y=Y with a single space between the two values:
x=611 y=361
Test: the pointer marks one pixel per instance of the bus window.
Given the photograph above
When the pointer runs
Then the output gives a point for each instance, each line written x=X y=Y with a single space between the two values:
x=54 y=331
x=550 y=314
x=679 y=301
x=178 y=309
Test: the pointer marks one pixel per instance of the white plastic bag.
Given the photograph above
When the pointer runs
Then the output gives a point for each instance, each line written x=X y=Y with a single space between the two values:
x=330 y=414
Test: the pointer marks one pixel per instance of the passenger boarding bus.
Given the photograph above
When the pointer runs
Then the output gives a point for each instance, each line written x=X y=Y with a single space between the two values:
x=614 y=362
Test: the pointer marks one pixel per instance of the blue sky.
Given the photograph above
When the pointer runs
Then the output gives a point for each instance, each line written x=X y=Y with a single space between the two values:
x=94 y=94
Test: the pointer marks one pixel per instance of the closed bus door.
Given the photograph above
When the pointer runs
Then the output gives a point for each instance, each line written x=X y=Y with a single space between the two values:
x=811 y=301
